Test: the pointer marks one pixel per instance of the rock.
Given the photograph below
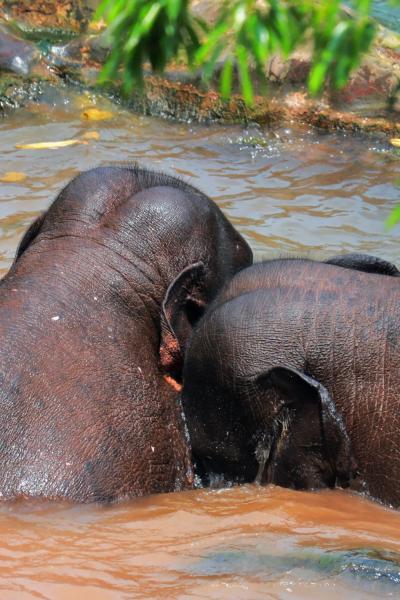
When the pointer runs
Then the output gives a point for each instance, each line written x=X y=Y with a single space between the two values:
x=83 y=50
x=16 y=55
x=73 y=15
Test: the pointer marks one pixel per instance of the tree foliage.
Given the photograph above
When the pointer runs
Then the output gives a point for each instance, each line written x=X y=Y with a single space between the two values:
x=244 y=35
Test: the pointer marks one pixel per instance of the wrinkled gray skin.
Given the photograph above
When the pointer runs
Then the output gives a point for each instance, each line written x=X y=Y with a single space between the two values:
x=292 y=377
x=121 y=259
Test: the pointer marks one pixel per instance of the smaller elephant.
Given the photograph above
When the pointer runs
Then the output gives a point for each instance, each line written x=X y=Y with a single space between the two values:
x=292 y=377
x=87 y=318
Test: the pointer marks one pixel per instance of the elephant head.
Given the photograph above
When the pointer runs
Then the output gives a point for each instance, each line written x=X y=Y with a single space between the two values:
x=95 y=315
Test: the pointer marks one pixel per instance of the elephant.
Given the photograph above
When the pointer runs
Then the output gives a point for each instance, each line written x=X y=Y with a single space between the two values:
x=89 y=362
x=291 y=377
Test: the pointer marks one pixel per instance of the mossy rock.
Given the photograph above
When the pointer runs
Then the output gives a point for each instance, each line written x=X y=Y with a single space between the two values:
x=48 y=15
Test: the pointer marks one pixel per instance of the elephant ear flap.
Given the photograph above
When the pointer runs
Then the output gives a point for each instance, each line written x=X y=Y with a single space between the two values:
x=300 y=391
x=183 y=306
x=29 y=235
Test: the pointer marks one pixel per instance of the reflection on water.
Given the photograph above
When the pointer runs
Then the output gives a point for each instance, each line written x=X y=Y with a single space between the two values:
x=288 y=191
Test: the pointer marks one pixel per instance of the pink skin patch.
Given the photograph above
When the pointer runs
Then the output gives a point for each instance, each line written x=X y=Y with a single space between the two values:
x=169 y=351
x=174 y=384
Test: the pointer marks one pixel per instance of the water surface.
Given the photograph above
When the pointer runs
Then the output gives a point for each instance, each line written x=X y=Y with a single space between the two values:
x=245 y=543
x=289 y=191
x=387 y=13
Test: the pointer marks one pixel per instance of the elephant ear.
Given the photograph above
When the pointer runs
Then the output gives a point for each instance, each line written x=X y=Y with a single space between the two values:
x=182 y=307
x=364 y=262
x=311 y=447
x=29 y=235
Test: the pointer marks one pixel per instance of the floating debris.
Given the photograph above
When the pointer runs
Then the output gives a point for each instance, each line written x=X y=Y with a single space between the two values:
x=96 y=114
x=13 y=177
x=50 y=145
x=88 y=135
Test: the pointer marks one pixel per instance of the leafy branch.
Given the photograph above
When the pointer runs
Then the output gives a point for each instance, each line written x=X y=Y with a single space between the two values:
x=246 y=33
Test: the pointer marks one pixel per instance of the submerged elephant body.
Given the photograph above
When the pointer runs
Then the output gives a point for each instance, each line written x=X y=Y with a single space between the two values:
x=85 y=317
x=302 y=386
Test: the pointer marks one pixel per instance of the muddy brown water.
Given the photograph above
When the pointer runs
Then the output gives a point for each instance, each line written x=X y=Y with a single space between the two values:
x=290 y=191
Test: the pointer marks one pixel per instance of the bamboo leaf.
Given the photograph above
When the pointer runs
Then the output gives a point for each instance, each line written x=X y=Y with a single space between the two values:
x=393 y=218
x=226 y=78
x=243 y=68
x=209 y=45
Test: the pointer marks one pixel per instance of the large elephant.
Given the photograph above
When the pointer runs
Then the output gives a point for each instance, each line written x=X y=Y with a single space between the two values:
x=89 y=407
x=292 y=377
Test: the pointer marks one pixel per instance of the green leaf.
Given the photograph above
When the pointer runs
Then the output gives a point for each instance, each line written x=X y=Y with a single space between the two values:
x=243 y=68
x=393 y=218
x=158 y=31
x=226 y=78
x=258 y=38
x=146 y=19
x=239 y=16
x=110 y=67
x=206 y=49
x=317 y=77
x=363 y=7
x=108 y=9
x=209 y=66
x=329 y=55
x=174 y=9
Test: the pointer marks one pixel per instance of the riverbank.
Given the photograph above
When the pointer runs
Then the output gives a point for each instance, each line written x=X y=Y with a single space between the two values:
x=51 y=45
